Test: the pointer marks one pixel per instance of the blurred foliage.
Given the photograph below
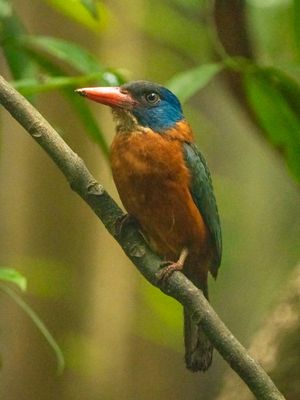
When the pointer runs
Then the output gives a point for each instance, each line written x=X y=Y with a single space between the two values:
x=27 y=57
x=189 y=82
x=179 y=46
x=55 y=78
x=163 y=323
x=12 y=29
x=91 y=6
x=275 y=98
x=90 y=13
x=272 y=27
x=13 y=276
x=182 y=35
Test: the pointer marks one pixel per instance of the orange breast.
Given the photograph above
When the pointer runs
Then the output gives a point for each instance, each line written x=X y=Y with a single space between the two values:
x=153 y=184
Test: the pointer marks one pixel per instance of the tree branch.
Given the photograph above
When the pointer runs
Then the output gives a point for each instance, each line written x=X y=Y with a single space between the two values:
x=133 y=244
x=275 y=345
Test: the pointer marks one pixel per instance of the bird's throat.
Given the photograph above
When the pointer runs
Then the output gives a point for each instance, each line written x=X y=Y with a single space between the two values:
x=125 y=120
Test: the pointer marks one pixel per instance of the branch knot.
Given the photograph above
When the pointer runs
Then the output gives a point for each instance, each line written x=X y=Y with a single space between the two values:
x=94 y=188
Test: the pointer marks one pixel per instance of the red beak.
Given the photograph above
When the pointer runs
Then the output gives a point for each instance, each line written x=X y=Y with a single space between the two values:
x=110 y=96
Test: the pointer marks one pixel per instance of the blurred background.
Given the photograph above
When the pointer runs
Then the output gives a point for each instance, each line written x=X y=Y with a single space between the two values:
x=235 y=65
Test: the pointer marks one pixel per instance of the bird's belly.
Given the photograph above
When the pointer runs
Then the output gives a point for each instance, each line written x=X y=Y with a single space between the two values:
x=171 y=222
x=153 y=185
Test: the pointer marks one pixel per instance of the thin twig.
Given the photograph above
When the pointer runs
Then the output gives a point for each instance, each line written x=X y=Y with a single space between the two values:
x=178 y=286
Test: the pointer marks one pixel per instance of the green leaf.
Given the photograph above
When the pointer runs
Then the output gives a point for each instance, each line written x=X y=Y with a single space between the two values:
x=83 y=12
x=81 y=108
x=275 y=99
x=48 y=83
x=181 y=34
x=71 y=53
x=296 y=9
x=187 y=83
x=12 y=29
x=39 y=324
x=79 y=59
x=13 y=276
x=5 y=9
x=91 y=6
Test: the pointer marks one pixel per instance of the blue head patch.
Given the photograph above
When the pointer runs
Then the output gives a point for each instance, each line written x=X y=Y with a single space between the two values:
x=156 y=107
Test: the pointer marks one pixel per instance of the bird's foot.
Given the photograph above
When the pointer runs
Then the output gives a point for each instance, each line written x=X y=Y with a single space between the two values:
x=123 y=221
x=170 y=266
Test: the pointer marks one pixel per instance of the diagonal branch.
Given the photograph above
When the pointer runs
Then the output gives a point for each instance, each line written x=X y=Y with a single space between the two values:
x=275 y=345
x=133 y=244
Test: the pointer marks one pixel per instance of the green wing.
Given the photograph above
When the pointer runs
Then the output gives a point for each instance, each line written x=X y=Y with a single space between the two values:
x=204 y=198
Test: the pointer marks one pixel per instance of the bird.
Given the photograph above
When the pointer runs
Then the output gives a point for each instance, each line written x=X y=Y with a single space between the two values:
x=165 y=185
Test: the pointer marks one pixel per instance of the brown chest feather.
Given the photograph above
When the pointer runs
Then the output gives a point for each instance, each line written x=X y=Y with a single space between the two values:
x=153 y=184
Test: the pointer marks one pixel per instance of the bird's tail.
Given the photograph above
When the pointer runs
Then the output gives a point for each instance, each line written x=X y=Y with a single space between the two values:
x=198 y=349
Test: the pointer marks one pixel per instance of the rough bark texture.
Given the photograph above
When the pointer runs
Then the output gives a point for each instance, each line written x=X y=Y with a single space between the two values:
x=178 y=286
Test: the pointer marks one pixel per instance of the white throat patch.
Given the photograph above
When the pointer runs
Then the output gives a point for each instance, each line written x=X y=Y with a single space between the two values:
x=126 y=121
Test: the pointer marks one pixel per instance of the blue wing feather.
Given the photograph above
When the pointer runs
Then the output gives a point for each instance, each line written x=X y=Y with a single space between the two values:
x=202 y=192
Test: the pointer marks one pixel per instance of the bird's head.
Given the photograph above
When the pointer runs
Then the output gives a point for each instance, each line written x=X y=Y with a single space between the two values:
x=139 y=103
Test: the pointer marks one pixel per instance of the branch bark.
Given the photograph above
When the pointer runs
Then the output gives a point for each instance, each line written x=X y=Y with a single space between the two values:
x=133 y=244
x=275 y=345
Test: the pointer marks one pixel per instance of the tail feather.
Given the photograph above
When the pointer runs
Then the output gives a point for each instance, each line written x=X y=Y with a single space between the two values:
x=198 y=349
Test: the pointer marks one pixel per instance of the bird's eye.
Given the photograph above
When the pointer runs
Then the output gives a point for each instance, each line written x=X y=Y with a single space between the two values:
x=152 y=98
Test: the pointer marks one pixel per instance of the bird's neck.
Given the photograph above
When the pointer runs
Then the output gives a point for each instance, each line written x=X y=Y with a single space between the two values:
x=126 y=123
x=180 y=131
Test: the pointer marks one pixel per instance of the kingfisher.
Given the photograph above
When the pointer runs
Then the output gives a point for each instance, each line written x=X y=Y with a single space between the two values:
x=165 y=185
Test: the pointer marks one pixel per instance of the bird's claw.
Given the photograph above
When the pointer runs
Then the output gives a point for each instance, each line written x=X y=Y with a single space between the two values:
x=168 y=268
